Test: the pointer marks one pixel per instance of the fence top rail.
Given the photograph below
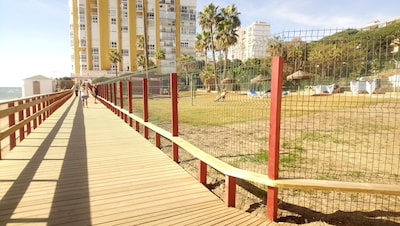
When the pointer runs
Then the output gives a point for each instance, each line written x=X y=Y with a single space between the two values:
x=225 y=168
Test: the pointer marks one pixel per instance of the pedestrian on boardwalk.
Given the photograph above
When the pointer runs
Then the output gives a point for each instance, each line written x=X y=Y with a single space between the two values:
x=95 y=93
x=76 y=90
x=84 y=95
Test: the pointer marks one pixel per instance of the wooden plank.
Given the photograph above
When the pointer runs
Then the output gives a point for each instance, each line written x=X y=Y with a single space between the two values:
x=95 y=169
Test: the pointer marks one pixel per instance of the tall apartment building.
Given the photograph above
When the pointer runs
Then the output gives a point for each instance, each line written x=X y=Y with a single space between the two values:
x=99 y=26
x=252 y=42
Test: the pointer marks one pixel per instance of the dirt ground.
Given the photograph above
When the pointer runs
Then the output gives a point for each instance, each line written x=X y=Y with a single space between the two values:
x=360 y=144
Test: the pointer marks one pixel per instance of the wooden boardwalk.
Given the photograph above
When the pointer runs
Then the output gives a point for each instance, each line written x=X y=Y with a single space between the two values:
x=85 y=166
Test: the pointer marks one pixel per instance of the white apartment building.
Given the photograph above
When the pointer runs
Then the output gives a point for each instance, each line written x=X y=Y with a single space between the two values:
x=252 y=42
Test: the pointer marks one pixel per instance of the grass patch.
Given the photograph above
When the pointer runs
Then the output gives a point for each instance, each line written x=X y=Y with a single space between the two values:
x=261 y=156
x=203 y=110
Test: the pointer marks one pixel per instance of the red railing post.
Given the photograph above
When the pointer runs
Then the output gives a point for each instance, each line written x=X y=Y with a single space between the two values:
x=39 y=109
x=158 y=140
x=11 y=122
x=145 y=107
x=121 y=99
x=115 y=98
x=174 y=98
x=20 y=119
x=202 y=172
x=230 y=191
x=274 y=135
x=130 y=107
x=109 y=92
x=28 y=114
x=34 y=108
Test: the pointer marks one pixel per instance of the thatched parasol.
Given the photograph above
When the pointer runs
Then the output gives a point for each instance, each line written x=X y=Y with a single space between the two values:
x=228 y=80
x=298 y=75
x=260 y=78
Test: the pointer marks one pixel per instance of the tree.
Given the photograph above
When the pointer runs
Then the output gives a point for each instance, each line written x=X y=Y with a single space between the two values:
x=160 y=54
x=203 y=41
x=209 y=18
x=207 y=77
x=115 y=57
x=187 y=61
x=141 y=61
x=275 y=47
x=226 y=31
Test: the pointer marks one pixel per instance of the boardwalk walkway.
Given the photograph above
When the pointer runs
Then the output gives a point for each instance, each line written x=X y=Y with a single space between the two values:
x=85 y=166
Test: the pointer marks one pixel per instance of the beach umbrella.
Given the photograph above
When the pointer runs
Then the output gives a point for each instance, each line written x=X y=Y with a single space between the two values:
x=228 y=80
x=260 y=78
x=298 y=75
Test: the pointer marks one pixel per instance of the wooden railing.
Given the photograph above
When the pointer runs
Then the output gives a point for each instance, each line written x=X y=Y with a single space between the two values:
x=19 y=117
x=272 y=181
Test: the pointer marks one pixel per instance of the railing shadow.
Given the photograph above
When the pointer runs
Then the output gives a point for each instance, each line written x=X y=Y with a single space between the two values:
x=73 y=182
x=73 y=177
x=339 y=218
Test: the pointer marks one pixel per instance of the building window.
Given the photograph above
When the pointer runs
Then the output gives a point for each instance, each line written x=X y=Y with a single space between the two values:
x=113 y=20
x=95 y=50
x=96 y=58
x=124 y=28
x=82 y=27
x=84 y=67
x=152 y=47
x=124 y=5
x=150 y=15
x=94 y=19
x=185 y=44
x=125 y=52
x=96 y=67
x=113 y=44
x=82 y=43
x=83 y=58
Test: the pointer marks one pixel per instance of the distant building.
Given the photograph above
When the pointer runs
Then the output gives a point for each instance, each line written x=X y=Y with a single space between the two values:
x=99 y=26
x=252 y=42
x=36 y=85
x=379 y=24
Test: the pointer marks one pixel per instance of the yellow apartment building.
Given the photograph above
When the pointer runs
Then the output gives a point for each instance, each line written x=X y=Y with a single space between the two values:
x=99 y=26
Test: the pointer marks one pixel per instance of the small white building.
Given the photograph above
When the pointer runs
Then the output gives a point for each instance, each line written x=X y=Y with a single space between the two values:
x=38 y=84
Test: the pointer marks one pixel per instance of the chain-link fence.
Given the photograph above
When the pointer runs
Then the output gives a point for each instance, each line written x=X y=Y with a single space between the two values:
x=340 y=121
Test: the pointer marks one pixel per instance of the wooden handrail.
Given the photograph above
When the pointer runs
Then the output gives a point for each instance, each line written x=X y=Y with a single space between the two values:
x=52 y=101
x=7 y=132
x=226 y=169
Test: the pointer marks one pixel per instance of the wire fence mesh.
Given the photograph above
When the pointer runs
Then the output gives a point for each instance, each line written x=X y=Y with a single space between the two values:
x=340 y=121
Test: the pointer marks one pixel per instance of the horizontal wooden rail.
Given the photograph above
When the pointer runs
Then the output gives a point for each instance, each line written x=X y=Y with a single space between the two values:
x=28 y=109
x=228 y=170
x=17 y=126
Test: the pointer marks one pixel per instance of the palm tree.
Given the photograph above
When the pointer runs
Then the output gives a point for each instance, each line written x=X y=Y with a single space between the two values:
x=203 y=41
x=160 y=55
x=187 y=61
x=207 y=77
x=115 y=57
x=140 y=42
x=275 y=47
x=227 y=27
x=141 y=61
x=209 y=19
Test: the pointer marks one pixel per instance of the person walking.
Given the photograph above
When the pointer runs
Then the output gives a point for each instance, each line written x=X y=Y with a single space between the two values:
x=84 y=95
x=95 y=93
x=76 y=89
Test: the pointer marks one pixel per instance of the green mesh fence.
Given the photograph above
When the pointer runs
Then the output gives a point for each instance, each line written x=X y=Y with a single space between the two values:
x=340 y=121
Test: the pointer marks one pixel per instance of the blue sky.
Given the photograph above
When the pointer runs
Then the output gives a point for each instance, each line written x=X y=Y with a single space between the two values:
x=34 y=34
